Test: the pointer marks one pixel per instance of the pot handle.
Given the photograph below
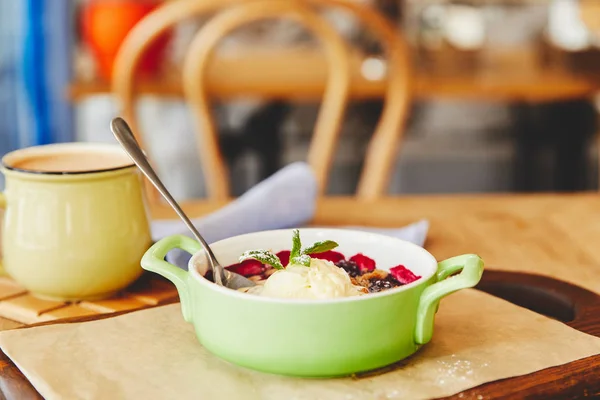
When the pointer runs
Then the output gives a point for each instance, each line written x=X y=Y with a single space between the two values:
x=154 y=260
x=471 y=269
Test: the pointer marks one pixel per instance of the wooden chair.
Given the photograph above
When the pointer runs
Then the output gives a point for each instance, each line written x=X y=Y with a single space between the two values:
x=382 y=149
x=331 y=114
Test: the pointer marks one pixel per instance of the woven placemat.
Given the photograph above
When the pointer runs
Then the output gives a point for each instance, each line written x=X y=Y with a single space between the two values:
x=17 y=304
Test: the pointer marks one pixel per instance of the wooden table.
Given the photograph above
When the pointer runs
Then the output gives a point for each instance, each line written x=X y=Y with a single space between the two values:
x=266 y=73
x=553 y=235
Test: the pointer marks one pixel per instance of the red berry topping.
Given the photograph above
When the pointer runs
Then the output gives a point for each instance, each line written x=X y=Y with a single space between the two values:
x=247 y=268
x=365 y=263
x=329 y=255
x=403 y=274
x=284 y=257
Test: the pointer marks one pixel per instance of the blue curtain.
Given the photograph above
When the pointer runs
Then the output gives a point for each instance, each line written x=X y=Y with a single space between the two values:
x=36 y=39
x=9 y=94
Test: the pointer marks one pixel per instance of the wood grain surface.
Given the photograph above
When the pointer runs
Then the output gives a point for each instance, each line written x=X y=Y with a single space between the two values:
x=543 y=88
x=576 y=307
x=243 y=74
x=525 y=241
x=551 y=234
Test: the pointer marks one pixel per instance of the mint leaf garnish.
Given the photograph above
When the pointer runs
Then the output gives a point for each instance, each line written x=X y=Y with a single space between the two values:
x=320 y=247
x=303 y=259
x=296 y=244
x=264 y=256
x=298 y=256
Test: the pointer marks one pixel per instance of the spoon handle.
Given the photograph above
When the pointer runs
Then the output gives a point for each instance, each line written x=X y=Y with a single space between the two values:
x=125 y=137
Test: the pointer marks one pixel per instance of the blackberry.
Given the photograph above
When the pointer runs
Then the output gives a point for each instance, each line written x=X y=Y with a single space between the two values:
x=350 y=267
x=377 y=284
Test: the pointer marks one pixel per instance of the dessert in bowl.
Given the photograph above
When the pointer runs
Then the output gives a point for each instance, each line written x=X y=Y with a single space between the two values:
x=310 y=317
x=315 y=271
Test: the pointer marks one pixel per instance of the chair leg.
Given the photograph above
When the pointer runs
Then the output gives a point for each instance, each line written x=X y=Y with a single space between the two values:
x=574 y=124
x=565 y=127
x=526 y=149
x=597 y=137
x=263 y=135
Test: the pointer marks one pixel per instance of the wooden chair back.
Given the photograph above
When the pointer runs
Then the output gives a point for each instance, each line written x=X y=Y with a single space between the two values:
x=329 y=120
x=383 y=146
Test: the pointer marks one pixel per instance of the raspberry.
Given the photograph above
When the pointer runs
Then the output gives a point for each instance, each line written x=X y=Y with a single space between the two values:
x=365 y=263
x=403 y=274
x=329 y=255
x=284 y=257
x=247 y=268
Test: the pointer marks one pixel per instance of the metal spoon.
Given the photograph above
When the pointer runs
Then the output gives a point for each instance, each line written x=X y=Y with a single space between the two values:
x=125 y=137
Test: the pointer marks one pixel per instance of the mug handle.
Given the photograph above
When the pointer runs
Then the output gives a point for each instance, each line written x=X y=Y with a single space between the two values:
x=154 y=260
x=471 y=269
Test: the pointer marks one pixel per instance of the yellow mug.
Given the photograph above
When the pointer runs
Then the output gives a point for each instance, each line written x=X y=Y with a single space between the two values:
x=75 y=224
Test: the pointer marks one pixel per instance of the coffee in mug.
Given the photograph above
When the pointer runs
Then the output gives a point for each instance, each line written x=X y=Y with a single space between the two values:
x=75 y=224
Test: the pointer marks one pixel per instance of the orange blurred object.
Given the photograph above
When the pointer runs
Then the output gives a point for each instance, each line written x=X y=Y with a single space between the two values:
x=106 y=23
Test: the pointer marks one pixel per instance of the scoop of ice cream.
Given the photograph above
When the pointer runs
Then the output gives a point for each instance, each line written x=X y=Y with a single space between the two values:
x=322 y=280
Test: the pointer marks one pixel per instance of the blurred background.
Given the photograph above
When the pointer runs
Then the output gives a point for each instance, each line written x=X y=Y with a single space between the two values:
x=503 y=97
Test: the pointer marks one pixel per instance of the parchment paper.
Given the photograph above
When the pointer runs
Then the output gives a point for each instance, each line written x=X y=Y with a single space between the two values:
x=154 y=354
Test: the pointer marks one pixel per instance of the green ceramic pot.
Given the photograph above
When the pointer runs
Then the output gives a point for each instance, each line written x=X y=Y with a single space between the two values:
x=314 y=338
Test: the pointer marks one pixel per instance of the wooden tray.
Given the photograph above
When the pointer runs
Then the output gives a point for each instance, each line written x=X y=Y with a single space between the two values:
x=574 y=306
x=18 y=305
